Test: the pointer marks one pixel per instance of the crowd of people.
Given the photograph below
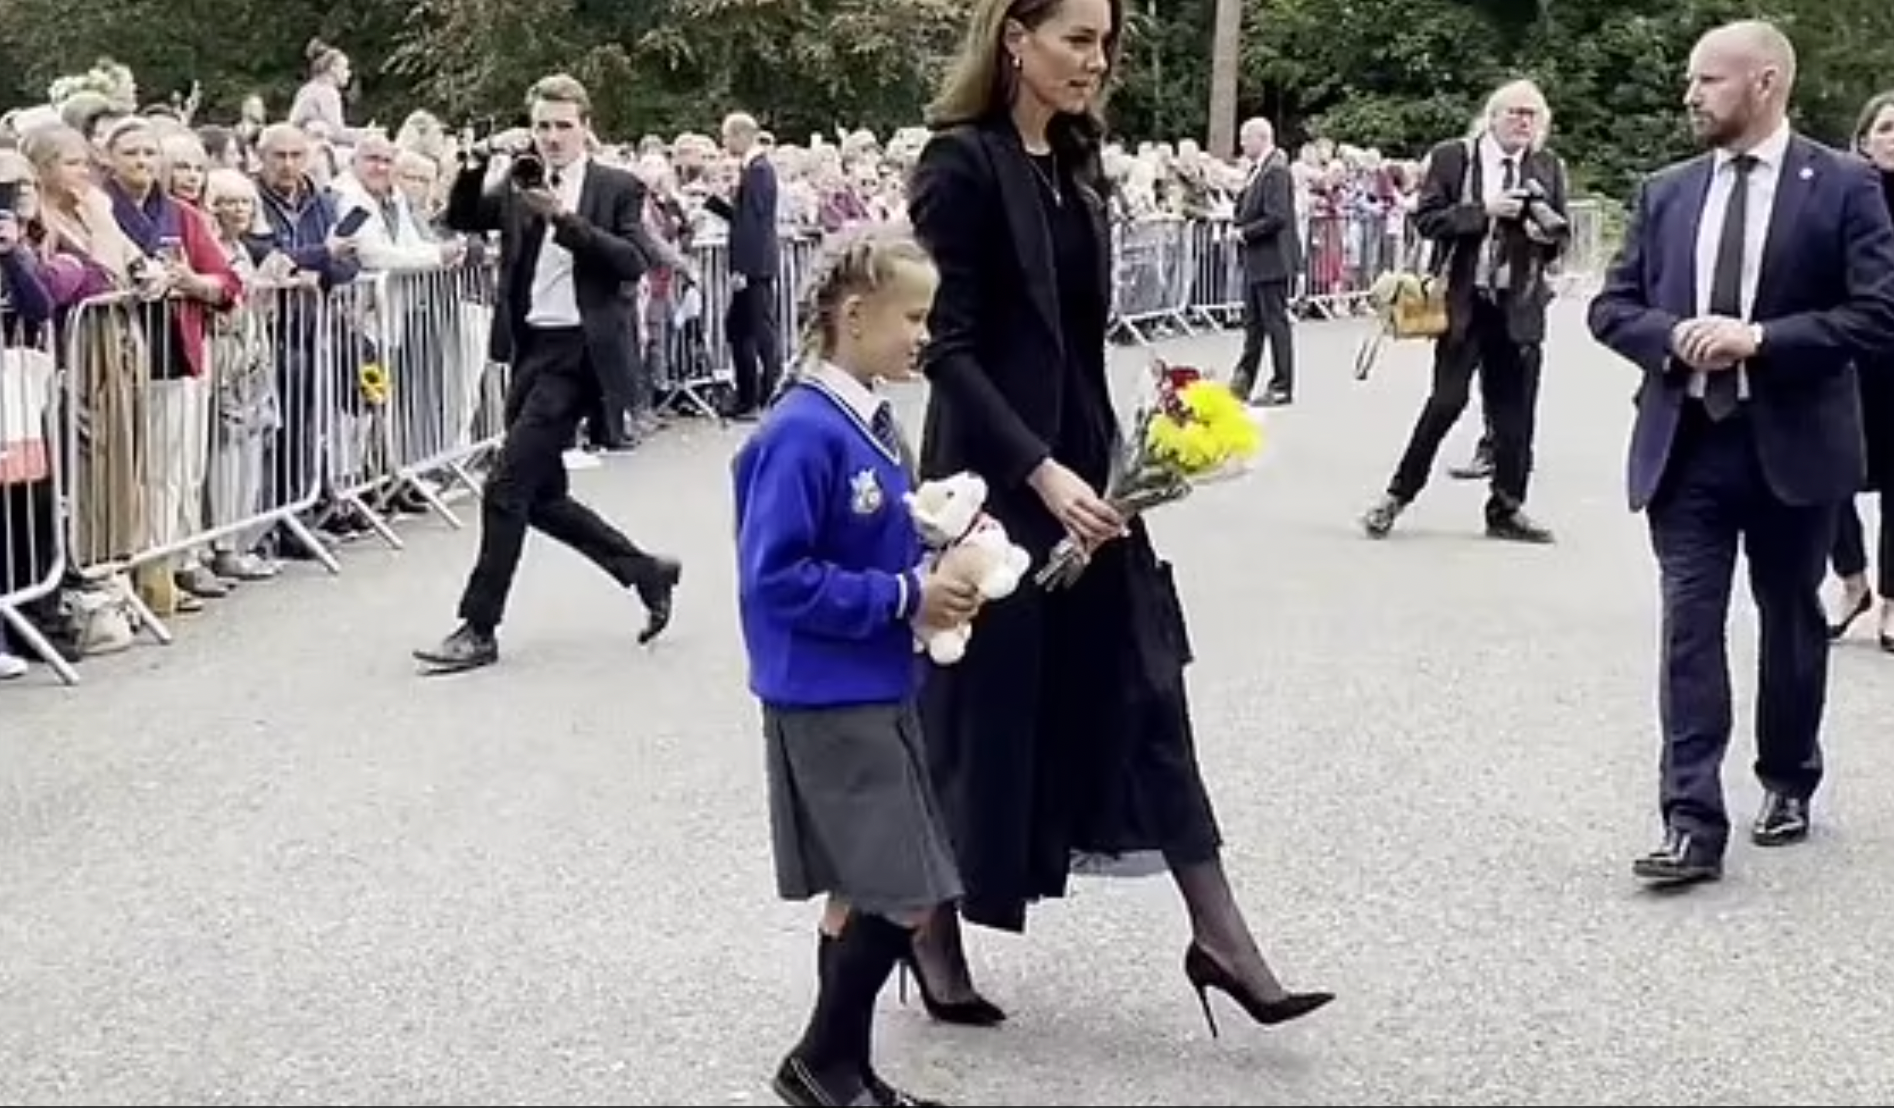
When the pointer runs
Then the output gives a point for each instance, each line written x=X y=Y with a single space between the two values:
x=102 y=177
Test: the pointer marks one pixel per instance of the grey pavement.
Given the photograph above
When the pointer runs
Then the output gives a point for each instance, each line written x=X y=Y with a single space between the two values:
x=269 y=864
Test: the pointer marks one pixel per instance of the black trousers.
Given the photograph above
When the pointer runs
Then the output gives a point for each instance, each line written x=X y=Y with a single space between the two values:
x=1714 y=501
x=554 y=387
x=1509 y=393
x=1850 y=555
x=756 y=352
x=1266 y=319
x=606 y=425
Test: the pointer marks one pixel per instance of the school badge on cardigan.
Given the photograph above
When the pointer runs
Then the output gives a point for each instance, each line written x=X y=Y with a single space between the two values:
x=866 y=497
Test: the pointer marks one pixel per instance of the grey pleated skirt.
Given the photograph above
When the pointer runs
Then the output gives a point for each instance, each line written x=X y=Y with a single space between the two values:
x=852 y=812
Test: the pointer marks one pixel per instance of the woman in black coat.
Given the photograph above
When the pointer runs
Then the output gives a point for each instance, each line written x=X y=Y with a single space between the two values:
x=1065 y=732
x=1874 y=137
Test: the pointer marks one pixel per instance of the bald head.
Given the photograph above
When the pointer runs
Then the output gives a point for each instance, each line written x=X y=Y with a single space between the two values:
x=1756 y=43
x=1740 y=78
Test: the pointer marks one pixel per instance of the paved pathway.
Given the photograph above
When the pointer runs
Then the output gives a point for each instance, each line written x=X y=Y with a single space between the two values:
x=269 y=865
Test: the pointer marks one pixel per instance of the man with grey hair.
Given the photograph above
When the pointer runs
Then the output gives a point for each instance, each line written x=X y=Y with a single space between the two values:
x=755 y=254
x=1752 y=281
x=1270 y=241
x=1494 y=208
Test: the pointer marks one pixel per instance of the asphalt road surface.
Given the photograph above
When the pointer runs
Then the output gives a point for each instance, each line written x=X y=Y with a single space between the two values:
x=269 y=864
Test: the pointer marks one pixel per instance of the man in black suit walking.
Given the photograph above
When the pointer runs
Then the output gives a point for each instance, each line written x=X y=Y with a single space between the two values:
x=750 y=323
x=572 y=239
x=1494 y=208
x=1266 y=229
x=1752 y=280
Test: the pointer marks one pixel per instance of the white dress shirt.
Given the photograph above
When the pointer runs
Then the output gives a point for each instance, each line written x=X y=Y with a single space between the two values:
x=1760 y=203
x=862 y=401
x=555 y=301
x=1493 y=169
x=1493 y=272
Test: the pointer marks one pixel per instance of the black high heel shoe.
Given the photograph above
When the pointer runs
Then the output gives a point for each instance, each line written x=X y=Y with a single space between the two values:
x=1205 y=973
x=1861 y=608
x=975 y=1011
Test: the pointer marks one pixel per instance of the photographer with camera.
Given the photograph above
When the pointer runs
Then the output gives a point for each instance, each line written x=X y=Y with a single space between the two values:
x=572 y=240
x=1494 y=208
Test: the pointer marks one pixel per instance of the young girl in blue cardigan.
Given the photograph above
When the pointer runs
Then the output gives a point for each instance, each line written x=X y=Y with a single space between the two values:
x=830 y=590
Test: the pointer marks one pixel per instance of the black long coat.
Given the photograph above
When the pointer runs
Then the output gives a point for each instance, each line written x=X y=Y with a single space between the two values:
x=1064 y=729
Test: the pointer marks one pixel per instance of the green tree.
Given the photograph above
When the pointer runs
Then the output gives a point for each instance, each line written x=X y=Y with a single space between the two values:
x=1396 y=77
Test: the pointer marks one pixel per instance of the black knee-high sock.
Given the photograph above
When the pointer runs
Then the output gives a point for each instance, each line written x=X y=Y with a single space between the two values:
x=854 y=967
x=890 y=942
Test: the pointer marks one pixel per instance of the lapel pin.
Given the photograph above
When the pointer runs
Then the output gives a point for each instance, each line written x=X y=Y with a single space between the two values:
x=1807 y=174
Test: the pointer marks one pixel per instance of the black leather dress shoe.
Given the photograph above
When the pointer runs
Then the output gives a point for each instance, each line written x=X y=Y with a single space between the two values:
x=1782 y=820
x=465 y=649
x=801 y=1087
x=656 y=591
x=1682 y=859
x=1516 y=526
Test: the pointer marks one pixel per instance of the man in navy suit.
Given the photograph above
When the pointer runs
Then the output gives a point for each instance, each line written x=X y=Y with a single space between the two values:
x=1752 y=280
x=755 y=256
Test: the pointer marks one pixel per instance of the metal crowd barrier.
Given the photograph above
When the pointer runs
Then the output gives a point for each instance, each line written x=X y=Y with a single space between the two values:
x=152 y=453
x=34 y=459
x=157 y=452
x=689 y=325
x=418 y=401
x=1173 y=276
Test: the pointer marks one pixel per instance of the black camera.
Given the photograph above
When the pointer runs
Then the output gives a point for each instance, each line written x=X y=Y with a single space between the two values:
x=527 y=172
x=1539 y=212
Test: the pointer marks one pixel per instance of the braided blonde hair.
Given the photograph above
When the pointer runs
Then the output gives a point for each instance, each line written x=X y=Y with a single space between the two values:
x=857 y=262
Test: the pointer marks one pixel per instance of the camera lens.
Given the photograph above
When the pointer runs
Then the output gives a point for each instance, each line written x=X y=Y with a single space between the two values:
x=528 y=171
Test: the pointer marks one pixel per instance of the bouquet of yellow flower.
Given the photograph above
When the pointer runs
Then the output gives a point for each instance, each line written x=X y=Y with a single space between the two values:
x=1189 y=432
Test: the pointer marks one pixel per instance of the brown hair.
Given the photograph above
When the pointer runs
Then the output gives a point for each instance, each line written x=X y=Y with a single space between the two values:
x=858 y=262
x=981 y=83
x=560 y=88
x=1869 y=113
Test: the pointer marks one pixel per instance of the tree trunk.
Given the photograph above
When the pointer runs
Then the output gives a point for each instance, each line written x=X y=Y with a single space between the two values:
x=1225 y=53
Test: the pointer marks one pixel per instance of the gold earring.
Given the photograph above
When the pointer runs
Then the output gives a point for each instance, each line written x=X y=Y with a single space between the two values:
x=1015 y=61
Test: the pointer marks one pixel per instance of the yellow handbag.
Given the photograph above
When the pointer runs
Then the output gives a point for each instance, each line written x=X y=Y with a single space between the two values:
x=1407 y=305
x=1410 y=302
x=1415 y=305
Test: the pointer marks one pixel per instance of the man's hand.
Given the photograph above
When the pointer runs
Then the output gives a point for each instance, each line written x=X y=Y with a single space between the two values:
x=1506 y=206
x=513 y=141
x=542 y=202
x=1712 y=342
x=276 y=268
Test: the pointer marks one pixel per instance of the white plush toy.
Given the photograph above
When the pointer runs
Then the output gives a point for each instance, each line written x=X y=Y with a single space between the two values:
x=968 y=543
